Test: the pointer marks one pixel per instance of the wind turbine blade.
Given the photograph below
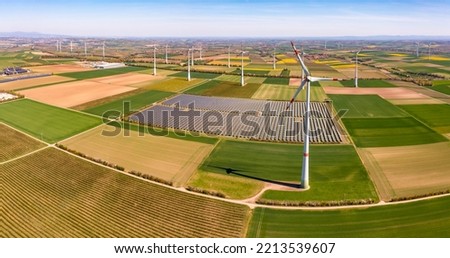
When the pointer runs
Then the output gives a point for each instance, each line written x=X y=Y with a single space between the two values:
x=302 y=85
x=300 y=59
x=318 y=79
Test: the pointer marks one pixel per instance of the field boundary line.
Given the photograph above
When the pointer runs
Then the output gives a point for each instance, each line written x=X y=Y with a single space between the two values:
x=83 y=132
x=32 y=137
x=193 y=86
x=24 y=155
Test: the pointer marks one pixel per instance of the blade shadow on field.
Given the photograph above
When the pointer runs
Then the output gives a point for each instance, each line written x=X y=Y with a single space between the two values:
x=236 y=172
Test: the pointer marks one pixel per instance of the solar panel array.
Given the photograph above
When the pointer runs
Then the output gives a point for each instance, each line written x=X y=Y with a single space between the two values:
x=240 y=118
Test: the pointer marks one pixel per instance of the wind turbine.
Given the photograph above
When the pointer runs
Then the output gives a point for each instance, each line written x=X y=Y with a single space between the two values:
x=189 y=65
x=308 y=79
x=60 y=46
x=274 y=63
x=71 y=46
x=417 y=49
x=85 y=49
x=103 y=50
x=356 y=68
x=57 y=45
x=242 y=68
x=166 y=55
x=154 y=59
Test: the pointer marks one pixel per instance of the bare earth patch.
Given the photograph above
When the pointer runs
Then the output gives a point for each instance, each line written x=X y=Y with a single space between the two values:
x=408 y=170
x=60 y=68
x=74 y=93
x=163 y=157
x=395 y=95
x=20 y=84
x=128 y=79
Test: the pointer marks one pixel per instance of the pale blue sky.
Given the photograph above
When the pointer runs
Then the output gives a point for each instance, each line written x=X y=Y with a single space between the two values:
x=267 y=18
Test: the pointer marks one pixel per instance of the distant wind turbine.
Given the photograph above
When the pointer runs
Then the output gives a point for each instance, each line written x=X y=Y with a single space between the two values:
x=103 y=50
x=242 y=68
x=417 y=49
x=308 y=79
x=154 y=60
x=274 y=62
x=189 y=65
x=71 y=46
x=356 y=68
x=166 y=55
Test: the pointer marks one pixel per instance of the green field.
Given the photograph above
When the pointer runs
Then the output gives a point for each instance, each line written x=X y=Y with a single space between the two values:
x=48 y=123
x=426 y=69
x=225 y=89
x=435 y=116
x=332 y=178
x=368 y=83
x=428 y=218
x=136 y=102
x=384 y=132
x=360 y=106
x=54 y=194
x=196 y=75
x=441 y=86
x=273 y=80
x=101 y=72
x=14 y=143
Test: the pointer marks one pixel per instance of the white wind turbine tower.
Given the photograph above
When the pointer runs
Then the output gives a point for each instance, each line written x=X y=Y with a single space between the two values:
x=308 y=79
x=71 y=46
x=189 y=65
x=356 y=68
x=274 y=62
x=166 y=55
x=417 y=49
x=60 y=46
x=242 y=68
x=154 y=59
x=57 y=45
x=103 y=50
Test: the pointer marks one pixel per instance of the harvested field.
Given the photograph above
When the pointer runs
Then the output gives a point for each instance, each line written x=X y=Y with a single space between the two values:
x=196 y=75
x=427 y=218
x=128 y=79
x=409 y=170
x=162 y=157
x=14 y=143
x=48 y=123
x=54 y=194
x=26 y=83
x=74 y=93
x=60 y=68
x=282 y=92
x=174 y=84
x=386 y=93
